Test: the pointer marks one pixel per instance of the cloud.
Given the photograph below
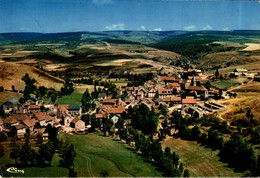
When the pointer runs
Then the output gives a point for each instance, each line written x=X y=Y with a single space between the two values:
x=226 y=29
x=102 y=1
x=207 y=27
x=143 y=27
x=157 y=29
x=190 y=28
x=119 y=26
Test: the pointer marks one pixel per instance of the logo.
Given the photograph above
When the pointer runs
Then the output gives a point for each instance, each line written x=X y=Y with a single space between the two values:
x=14 y=170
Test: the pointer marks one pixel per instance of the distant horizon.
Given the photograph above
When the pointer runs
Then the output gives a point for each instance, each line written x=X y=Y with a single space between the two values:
x=131 y=31
x=57 y=16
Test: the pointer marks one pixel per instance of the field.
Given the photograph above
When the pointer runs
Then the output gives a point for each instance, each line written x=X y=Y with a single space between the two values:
x=7 y=95
x=200 y=161
x=72 y=99
x=224 y=84
x=96 y=153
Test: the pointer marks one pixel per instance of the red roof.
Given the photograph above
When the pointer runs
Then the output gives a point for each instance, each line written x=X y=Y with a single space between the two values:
x=30 y=122
x=1 y=121
x=152 y=91
x=99 y=116
x=35 y=107
x=196 y=88
x=10 y=120
x=165 y=91
x=20 y=117
x=175 y=84
x=189 y=101
x=172 y=99
x=165 y=78
x=118 y=110
x=109 y=100
x=196 y=77
x=75 y=120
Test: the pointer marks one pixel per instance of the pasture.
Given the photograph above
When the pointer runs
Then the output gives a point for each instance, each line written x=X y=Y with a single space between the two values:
x=96 y=153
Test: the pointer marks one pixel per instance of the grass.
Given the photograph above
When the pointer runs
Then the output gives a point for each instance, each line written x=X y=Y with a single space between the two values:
x=200 y=161
x=96 y=153
x=72 y=99
x=224 y=84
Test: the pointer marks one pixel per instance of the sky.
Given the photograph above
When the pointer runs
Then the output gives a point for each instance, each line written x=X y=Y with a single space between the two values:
x=51 y=16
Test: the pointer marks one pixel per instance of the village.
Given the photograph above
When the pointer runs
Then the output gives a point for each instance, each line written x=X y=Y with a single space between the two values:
x=182 y=91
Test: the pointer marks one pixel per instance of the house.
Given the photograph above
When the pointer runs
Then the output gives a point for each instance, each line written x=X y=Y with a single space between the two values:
x=102 y=96
x=116 y=110
x=109 y=101
x=67 y=120
x=173 y=99
x=195 y=112
x=115 y=119
x=167 y=79
x=30 y=123
x=164 y=92
x=197 y=91
x=34 y=108
x=20 y=117
x=152 y=93
x=74 y=109
x=9 y=122
x=78 y=124
x=10 y=105
x=238 y=72
x=175 y=87
x=1 y=124
x=99 y=116
x=189 y=101
x=43 y=119
x=257 y=77
x=141 y=93
x=21 y=130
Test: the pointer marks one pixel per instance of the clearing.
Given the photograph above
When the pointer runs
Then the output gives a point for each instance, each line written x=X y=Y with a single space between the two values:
x=224 y=84
x=200 y=161
x=96 y=153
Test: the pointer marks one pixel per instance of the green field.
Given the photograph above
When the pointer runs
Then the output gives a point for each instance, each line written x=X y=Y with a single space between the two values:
x=224 y=84
x=53 y=171
x=200 y=161
x=72 y=99
x=96 y=153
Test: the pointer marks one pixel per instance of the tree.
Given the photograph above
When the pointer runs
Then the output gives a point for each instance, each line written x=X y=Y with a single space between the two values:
x=216 y=74
x=107 y=125
x=39 y=138
x=195 y=133
x=52 y=134
x=104 y=173
x=168 y=153
x=67 y=157
x=2 y=152
x=175 y=159
x=86 y=118
x=13 y=88
x=46 y=152
x=186 y=173
x=85 y=101
x=3 y=136
x=15 y=151
x=27 y=155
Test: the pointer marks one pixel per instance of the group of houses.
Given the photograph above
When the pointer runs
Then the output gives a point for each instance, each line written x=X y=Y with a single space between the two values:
x=33 y=118
x=187 y=95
